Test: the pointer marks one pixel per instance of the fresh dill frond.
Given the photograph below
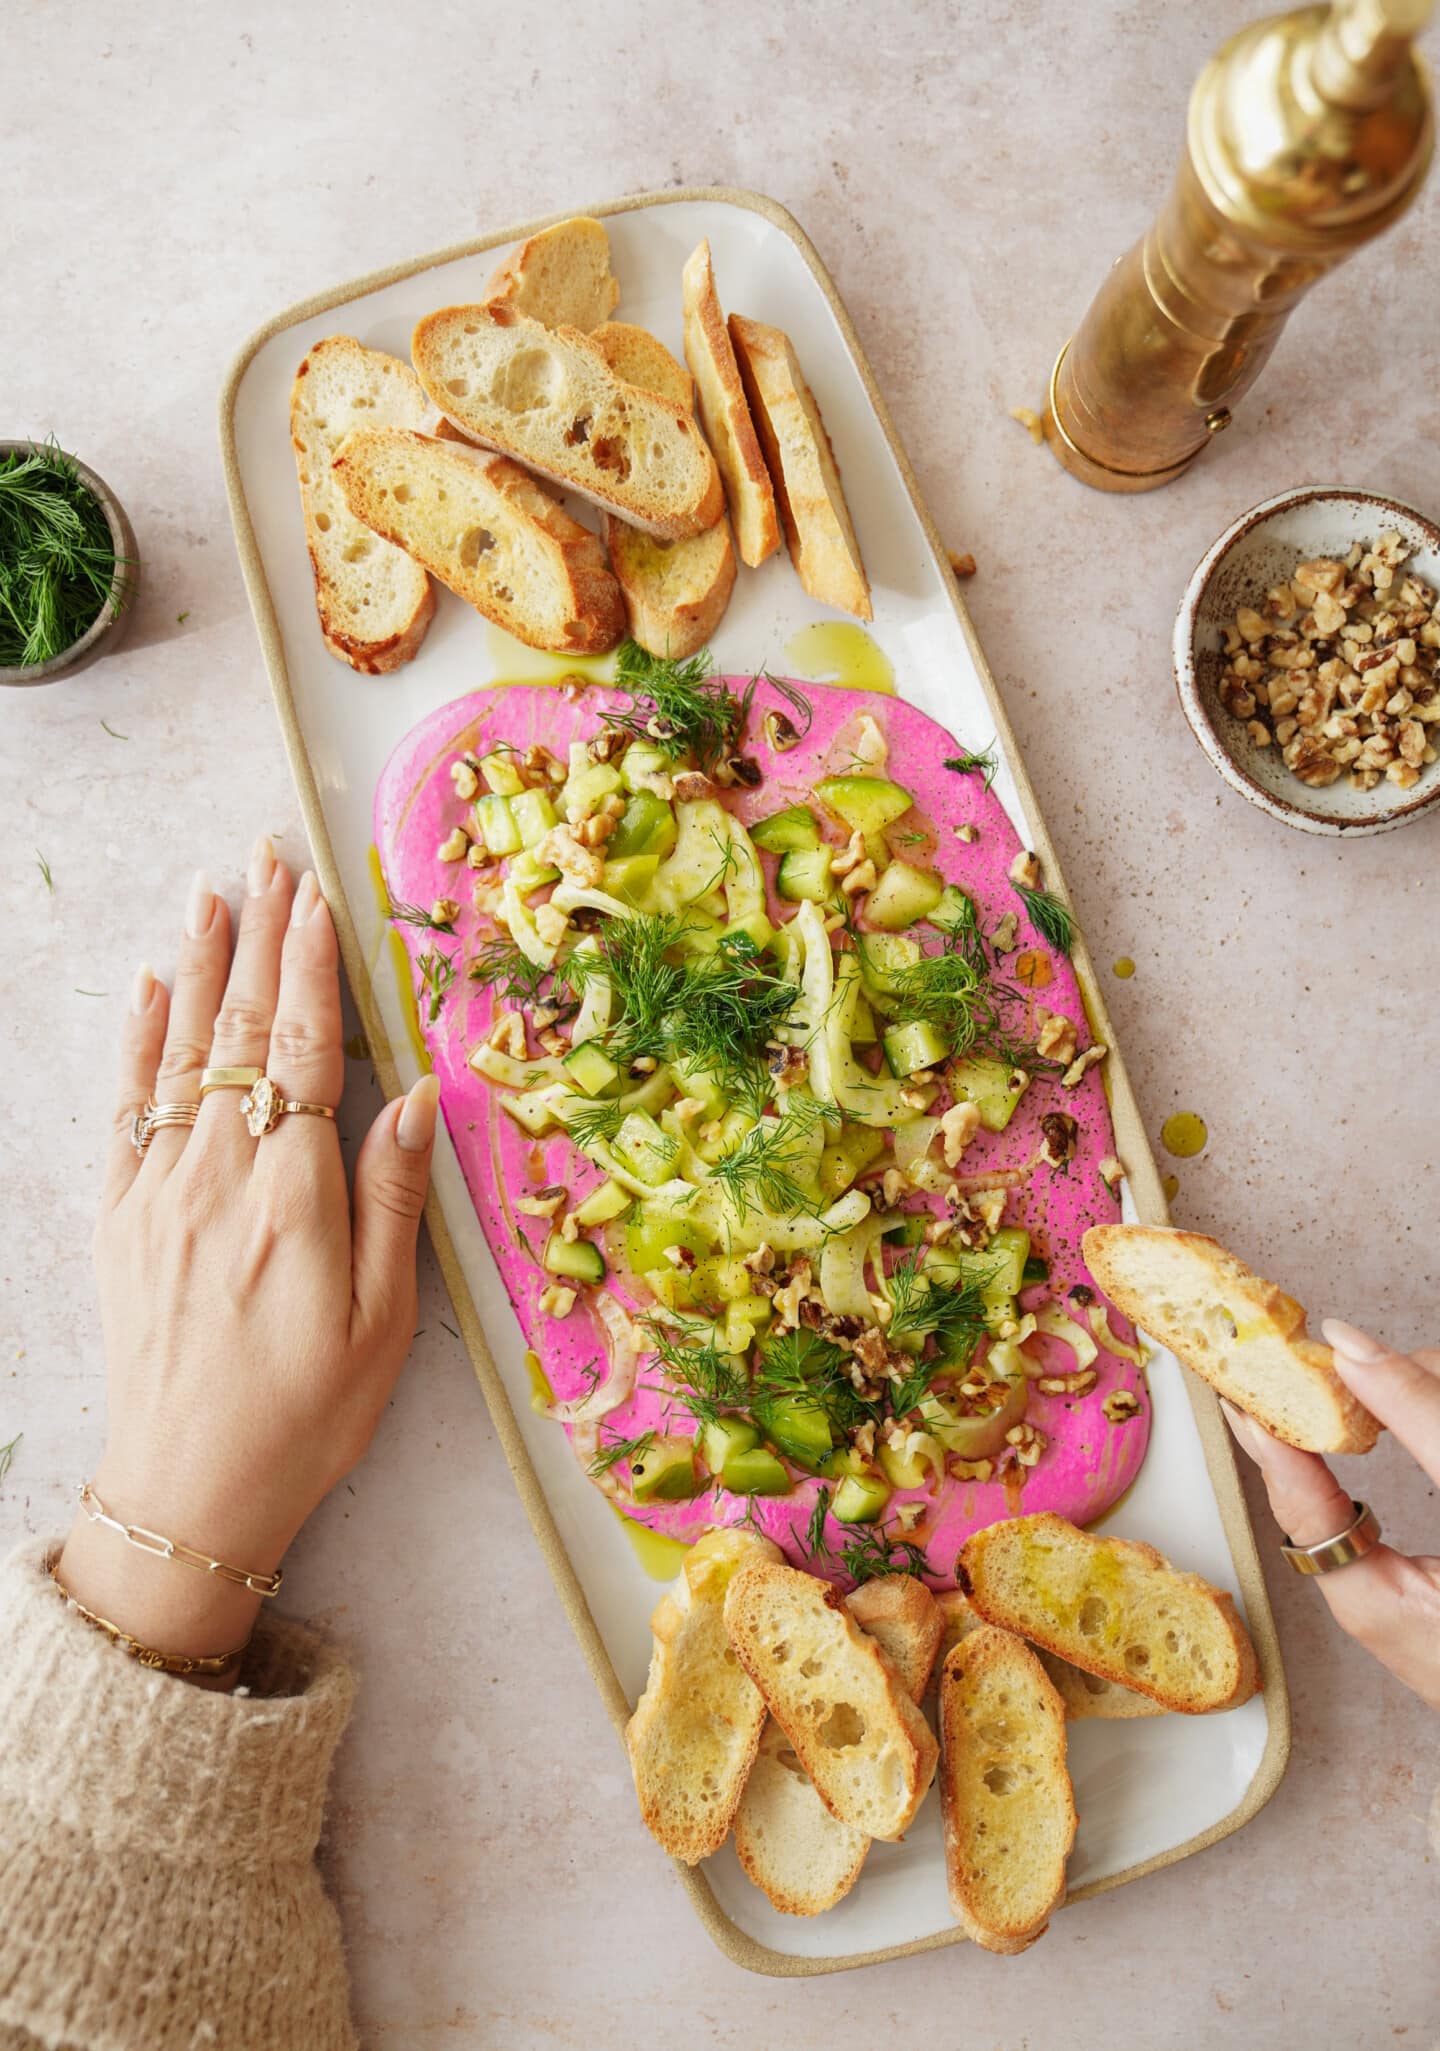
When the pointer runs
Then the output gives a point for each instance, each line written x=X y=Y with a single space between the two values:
x=699 y=1377
x=799 y=1363
x=682 y=708
x=616 y=1450
x=7 y=1454
x=112 y=733
x=1052 y=920
x=44 y=867
x=596 y=1120
x=505 y=969
x=57 y=559
x=953 y=1311
x=416 y=915
x=758 y=1170
x=976 y=762
x=874 y=1551
x=180 y=618
x=814 y=1542
x=437 y=977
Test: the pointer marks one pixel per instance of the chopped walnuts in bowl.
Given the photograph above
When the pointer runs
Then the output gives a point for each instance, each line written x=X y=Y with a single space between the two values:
x=1339 y=668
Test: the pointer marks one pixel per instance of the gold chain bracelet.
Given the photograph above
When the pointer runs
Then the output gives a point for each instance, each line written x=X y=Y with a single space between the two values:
x=160 y=1662
x=171 y=1549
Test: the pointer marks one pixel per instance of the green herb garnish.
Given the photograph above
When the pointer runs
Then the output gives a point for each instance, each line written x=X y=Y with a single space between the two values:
x=800 y=1363
x=976 y=762
x=1052 y=920
x=7 y=1454
x=700 y=1378
x=112 y=733
x=874 y=1551
x=44 y=867
x=814 y=1539
x=683 y=708
x=437 y=976
x=621 y=1449
x=597 y=1120
x=57 y=558
x=416 y=915
x=758 y=1170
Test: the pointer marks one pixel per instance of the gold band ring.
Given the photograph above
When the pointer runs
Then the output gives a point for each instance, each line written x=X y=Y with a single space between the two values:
x=229 y=1079
x=264 y=1106
x=1358 y=1538
x=145 y=1124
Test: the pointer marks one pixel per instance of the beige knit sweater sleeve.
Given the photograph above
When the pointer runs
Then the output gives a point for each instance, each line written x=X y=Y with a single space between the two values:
x=158 y=1885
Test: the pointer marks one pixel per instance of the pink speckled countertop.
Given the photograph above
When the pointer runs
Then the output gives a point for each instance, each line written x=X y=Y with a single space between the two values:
x=967 y=174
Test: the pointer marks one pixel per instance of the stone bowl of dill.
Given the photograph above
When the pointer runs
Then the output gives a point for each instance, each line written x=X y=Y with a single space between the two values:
x=69 y=565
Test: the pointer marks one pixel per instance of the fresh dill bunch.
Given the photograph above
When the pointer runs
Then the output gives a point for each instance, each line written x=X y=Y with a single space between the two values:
x=699 y=1377
x=632 y=956
x=57 y=559
x=953 y=1312
x=682 y=708
x=596 y=1120
x=758 y=1170
x=611 y=1454
x=438 y=973
x=1052 y=920
x=800 y=1363
x=976 y=762
x=874 y=1551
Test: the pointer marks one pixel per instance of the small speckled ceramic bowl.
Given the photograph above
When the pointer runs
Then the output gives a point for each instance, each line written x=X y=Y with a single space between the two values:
x=110 y=625
x=1262 y=547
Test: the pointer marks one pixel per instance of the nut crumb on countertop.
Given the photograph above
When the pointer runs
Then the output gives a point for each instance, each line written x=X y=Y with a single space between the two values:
x=1340 y=668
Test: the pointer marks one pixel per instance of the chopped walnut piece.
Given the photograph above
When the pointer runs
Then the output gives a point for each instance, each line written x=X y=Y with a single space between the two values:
x=544 y=1203
x=563 y=851
x=961 y=565
x=690 y=784
x=1121 y=1405
x=551 y=924
x=1024 y=871
x=454 y=847
x=1055 y=1040
x=1111 y=1171
x=1060 y=1134
x=507 y=1035
x=1002 y=940
x=958 y=1126
x=781 y=732
x=1083 y=1061
x=556 y=1302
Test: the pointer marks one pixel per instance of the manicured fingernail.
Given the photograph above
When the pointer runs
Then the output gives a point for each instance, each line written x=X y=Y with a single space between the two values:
x=416 y=1125
x=307 y=898
x=1352 y=1342
x=1245 y=1432
x=262 y=867
x=200 y=906
x=142 y=990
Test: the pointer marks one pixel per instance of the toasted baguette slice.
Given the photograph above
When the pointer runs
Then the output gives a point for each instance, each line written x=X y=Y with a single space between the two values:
x=695 y=1729
x=1114 y=1607
x=1089 y=1698
x=1005 y=1792
x=1245 y=1336
x=560 y=276
x=788 y=1842
x=495 y=536
x=676 y=592
x=725 y=414
x=856 y=1732
x=813 y=512
x=906 y=1622
x=374 y=602
x=548 y=398
x=637 y=356
x=958 y=1619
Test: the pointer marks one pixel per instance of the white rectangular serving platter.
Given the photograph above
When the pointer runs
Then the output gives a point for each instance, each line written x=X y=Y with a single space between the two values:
x=1149 y=1791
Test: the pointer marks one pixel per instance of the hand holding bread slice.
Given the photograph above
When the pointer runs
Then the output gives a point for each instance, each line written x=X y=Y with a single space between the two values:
x=1114 y=1607
x=1243 y=1335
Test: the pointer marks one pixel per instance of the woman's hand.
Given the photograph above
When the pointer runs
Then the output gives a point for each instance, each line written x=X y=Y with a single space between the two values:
x=253 y=1326
x=1390 y=1604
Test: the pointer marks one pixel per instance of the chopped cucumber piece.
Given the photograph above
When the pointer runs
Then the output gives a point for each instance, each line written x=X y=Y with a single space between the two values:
x=903 y=895
x=647 y=827
x=528 y=873
x=647 y=1234
x=496 y=822
x=785 y=832
x=665 y=1472
x=867 y=802
x=640 y=760
x=586 y=790
x=799 y=1428
x=756 y=1473
x=1036 y=1270
x=501 y=775
x=755 y=927
x=724 y=1438
x=1009 y=1254
x=589 y=1069
x=693 y=1080
x=804 y=874
x=534 y=815
x=577 y=1260
x=954 y=909
x=844 y=1460
x=644 y=1149
x=862 y=1022
x=860 y=1499
x=743 y=1318
x=721 y=1278
x=914 y=1046
x=629 y=878
x=992 y=1086
x=529 y=1110
x=606 y=1201
x=856 y=1149
x=910 y=1231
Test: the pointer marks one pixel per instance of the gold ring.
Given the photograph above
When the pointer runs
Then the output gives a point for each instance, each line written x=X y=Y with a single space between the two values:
x=264 y=1106
x=145 y=1124
x=229 y=1079
x=1359 y=1537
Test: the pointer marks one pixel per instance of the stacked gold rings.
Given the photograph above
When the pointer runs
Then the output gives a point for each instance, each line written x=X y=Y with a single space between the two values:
x=263 y=1105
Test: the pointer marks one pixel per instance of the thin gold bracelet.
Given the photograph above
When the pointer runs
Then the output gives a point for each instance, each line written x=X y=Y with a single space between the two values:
x=171 y=1549
x=160 y=1662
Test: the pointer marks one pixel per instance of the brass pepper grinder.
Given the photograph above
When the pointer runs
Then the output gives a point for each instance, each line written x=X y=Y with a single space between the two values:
x=1307 y=135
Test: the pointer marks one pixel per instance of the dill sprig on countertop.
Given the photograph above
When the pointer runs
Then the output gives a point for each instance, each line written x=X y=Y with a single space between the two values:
x=7 y=1454
x=57 y=558
x=684 y=708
